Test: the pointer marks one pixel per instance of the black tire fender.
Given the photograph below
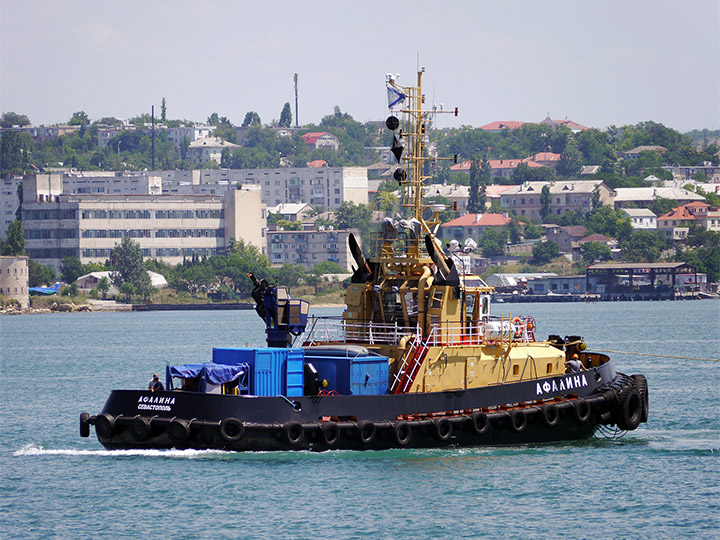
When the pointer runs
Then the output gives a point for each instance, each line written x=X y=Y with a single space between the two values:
x=293 y=432
x=403 y=433
x=178 y=430
x=479 y=422
x=582 y=410
x=84 y=425
x=550 y=414
x=443 y=429
x=231 y=429
x=104 y=425
x=630 y=410
x=640 y=382
x=140 y=428
x=518 y=420
x=330 y=433
x=366 y=431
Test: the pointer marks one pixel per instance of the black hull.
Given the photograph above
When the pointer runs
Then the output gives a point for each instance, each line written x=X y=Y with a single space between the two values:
x=571 y=407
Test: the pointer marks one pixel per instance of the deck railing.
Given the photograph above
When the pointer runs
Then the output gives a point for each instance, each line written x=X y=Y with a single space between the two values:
x=488 y=331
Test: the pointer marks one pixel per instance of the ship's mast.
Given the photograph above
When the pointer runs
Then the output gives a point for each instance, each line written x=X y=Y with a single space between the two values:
x=412 y=136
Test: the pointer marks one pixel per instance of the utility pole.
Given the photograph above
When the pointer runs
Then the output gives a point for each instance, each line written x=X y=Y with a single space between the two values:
x=295 y=78
x=152 y=116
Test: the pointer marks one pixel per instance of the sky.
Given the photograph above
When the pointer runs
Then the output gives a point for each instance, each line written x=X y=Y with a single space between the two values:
x=615 y=62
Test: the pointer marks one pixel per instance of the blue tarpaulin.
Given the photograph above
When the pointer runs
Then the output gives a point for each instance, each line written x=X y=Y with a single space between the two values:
x=207 y=372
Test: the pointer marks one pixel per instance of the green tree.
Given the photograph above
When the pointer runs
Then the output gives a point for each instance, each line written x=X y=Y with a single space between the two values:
x=387 y=203
x=544 y=252
x=662 y=206
x=14 y=152
x=595 y=251
x=545 y=200
x=352 y=216
x=493 y=241
x=127 y=260
x=40 y=274
x=15 y=244
x=79 y=118
x=10 y=119
x=570 y=162
x=71 y=268
x=327 y=267
x=474 y=199
x=290 y=275
x=163 y=111
x=103 y=286
x=285 y=116
x=252 y=119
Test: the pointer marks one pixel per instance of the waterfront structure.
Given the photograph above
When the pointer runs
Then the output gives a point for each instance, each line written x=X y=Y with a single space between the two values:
x=90 y=281
x=167 y=227
x=14 y=279
x=9 y=202
x=553 y=284
x=309 y=246
x=324 y=187
x=638 y=280
x=643 y=197
x=641 y=218
x=525 y=200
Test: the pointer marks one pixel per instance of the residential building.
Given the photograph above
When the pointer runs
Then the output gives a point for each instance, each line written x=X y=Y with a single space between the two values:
x=9 y=202
x=471 y=226
x=167 y=227
x=456 y=194
x=325 y=187
x=685 y=173
x=572 y=126
x=676 y=223
x=642 y=197
x=292 y=211
x=525 y=200
x=309 y=247
x=566 y=238
x=208 y=149
x=501 y=168
x=14 y=279
x=635 y=152
x=497 y=127
x=321 y=140
x=189 y=133
x=641 y=218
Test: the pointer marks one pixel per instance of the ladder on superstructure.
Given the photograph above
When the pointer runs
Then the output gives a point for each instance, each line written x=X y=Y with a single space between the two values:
x=411 y=364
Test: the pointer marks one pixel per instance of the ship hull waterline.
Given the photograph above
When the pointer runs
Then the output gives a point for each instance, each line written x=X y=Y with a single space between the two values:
x=563 y=408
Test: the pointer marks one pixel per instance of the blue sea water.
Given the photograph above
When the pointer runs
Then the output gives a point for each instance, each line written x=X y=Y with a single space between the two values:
x=661 y=481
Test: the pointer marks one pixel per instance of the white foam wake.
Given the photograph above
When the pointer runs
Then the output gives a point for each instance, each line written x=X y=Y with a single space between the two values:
x=37 y=450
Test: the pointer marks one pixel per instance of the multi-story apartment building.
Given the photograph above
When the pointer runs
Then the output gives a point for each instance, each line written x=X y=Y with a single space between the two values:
x=641 y=218
x=324 y=187
x=642 y=197
x=9 y=202
x=525 y=200
x=167 y=227
x=309 y=247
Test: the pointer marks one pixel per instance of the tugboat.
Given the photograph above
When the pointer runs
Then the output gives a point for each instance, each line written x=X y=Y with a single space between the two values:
x=415 y=361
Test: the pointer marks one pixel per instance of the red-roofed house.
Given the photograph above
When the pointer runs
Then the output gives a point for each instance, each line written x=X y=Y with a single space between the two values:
x=676 y=222
x=317 y=163
x=497 y=127
x=574 y=126
x=501 y=168
x=471 y=225
x=549 y=159
x=322 y=140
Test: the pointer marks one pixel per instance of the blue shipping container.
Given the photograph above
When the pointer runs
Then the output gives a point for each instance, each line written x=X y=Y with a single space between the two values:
x=273 y=371
x=369 y=375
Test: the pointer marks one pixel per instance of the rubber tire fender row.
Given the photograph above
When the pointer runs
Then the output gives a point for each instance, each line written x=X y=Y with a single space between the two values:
x=366 y=431
x=178 y=430
x=104 y=425
x=293 y=433
x=479 y=422
x=231 y=429
x=582 y=410
x=403 y=433
x=629 y=411
x=550 y=414
x=330 y=433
